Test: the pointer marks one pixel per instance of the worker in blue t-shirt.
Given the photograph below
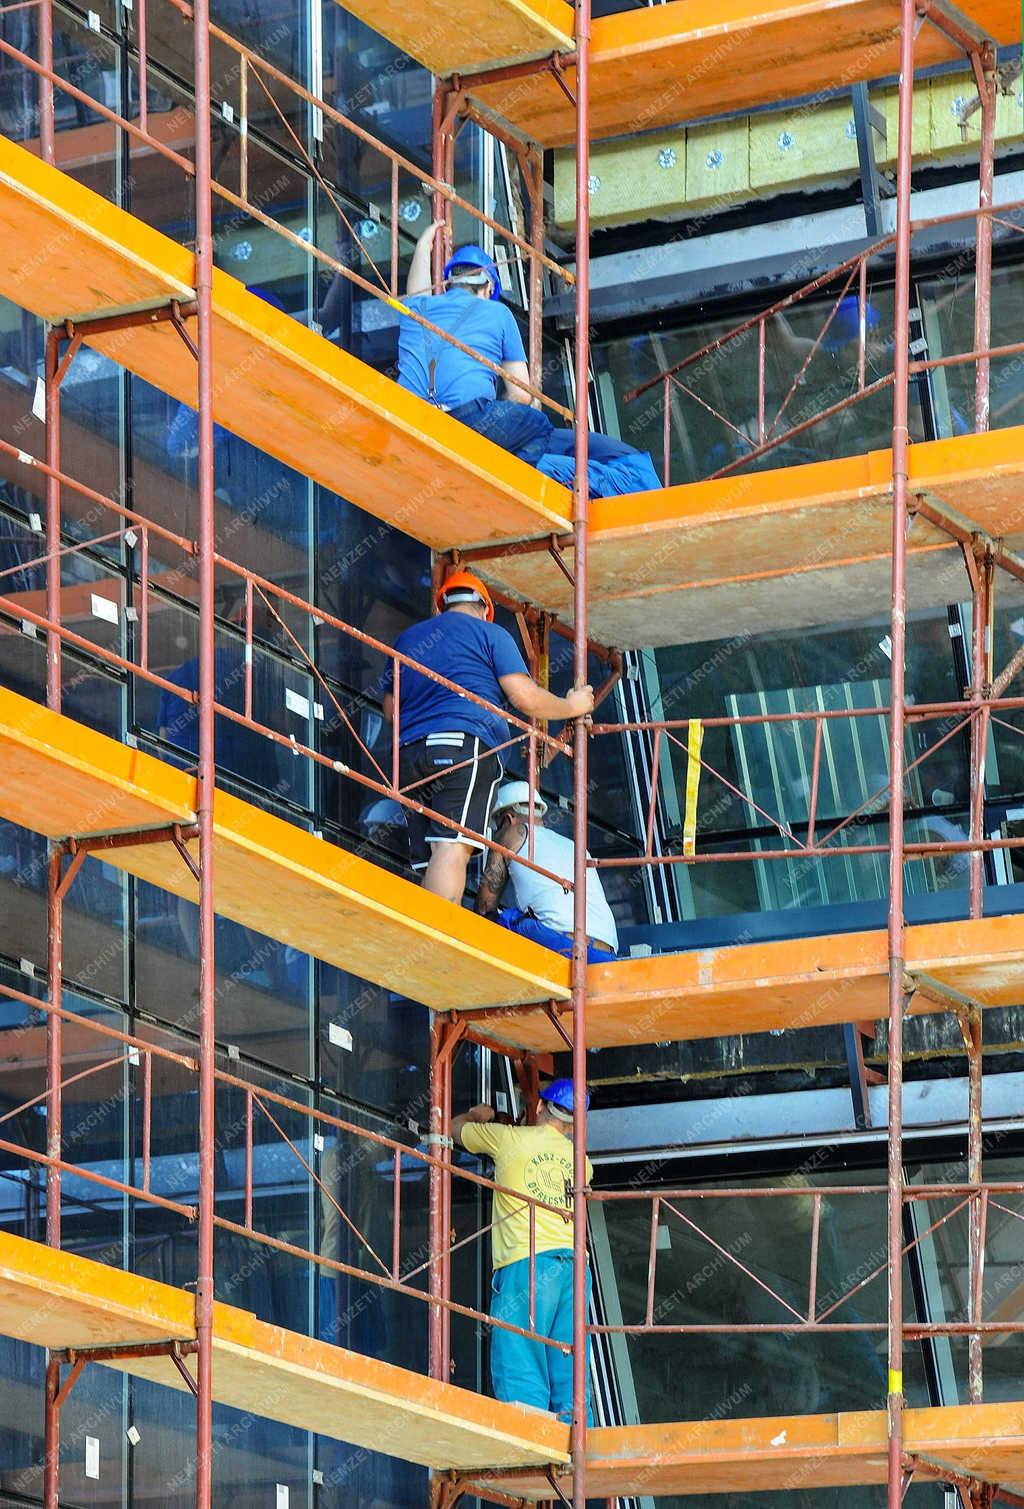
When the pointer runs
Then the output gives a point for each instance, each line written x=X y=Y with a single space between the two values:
x=471 y=310
x=439 y=728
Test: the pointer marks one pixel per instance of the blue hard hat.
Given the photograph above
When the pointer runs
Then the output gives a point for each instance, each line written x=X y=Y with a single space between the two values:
x=559 y=1095
x=845 y=326
x=475 y=256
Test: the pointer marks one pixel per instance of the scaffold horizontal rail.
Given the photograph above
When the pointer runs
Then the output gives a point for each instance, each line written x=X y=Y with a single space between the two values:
x=70 y=255
x=789 y=548
x=65 y=780
x=65 y=1302
x=760 y=987
x=784 y=1453
x=656 y=65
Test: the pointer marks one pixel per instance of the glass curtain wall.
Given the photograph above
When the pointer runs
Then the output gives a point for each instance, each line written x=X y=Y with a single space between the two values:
x=713 y=1378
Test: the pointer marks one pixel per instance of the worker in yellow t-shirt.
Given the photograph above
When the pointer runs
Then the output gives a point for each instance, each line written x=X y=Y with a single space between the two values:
x=533 y=1160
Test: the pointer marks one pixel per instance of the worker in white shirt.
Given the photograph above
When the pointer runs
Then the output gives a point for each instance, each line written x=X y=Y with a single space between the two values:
x=543 y=909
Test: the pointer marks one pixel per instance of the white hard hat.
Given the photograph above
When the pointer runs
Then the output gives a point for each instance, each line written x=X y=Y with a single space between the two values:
x=517 y=794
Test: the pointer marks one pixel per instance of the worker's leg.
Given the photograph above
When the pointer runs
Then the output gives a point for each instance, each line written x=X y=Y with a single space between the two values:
x=639 y=473
x=560 y=1365
x=560 y=943
x=463 y=780
x=445 y=874
x=514 y=426
x=519 y=1366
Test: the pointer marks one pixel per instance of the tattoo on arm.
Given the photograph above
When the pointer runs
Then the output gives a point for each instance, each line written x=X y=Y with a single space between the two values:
x=492 y=883
x=496 y=872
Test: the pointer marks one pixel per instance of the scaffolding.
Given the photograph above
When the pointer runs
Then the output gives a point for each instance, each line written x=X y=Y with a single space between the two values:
x=537 y=1004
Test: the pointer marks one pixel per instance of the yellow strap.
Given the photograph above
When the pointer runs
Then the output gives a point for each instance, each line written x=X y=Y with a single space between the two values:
x=395 y=305
x=895 y=1382
x=694 y=743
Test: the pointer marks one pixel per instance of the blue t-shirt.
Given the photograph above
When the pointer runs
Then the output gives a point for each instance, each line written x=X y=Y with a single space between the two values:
x=486 y=325
x=467 y=650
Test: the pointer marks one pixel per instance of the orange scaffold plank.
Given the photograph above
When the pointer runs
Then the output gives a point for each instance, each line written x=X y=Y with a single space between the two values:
x=755 y=987
x=782 y=549
x=784 y=1453
x=59 y=1300
x=661 y=64
x=433 y=33
x=64 y=780
x=68 y=253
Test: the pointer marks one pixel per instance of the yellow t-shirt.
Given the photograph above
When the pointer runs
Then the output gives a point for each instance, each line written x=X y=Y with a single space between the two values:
x=537 y=1161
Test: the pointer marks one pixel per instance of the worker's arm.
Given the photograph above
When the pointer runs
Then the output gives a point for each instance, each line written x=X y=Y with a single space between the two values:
x=521 y=372
x=495 y=875
x=387 y=707
x=534 y=702
x=476 y=1113
x=420 y=279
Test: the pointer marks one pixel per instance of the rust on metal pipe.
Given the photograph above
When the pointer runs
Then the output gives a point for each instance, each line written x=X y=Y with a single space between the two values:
x=983 y=65
x=581 y=792
x=898 y=629
x=206 y=772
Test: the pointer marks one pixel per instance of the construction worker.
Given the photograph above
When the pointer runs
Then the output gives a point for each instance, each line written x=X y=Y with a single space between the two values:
x=531 y=1160
x=439 y=728
x=471 y=310
x=543 y=909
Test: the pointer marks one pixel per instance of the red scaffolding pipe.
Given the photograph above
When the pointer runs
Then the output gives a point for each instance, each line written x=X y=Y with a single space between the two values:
x=580 y=514
x=898 y=633
x=206 y=766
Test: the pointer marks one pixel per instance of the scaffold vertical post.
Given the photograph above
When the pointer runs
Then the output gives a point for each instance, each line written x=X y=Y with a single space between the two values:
x=206 y=768
x=440 y=206
x=533 y=171
x=898 y=633
x=54 y=900
x=51 y=1436
x=47 y=126
x=972 y=1030
x=54 y=1040
x=435 y=1217
x=447 y=1062
x=981 y=584
x=983 y=65
x=581 y=506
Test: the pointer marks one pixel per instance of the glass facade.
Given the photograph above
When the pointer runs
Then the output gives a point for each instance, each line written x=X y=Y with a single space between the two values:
x=131 y=949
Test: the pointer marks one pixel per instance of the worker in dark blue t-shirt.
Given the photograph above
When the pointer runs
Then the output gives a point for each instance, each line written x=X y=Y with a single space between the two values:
x=439 y=729
x=471 y=310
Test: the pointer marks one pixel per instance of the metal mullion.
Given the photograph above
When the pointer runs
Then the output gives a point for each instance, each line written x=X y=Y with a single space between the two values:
x=929 y=1302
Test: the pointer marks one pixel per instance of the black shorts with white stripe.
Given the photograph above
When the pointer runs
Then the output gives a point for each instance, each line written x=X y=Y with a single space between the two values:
x=463 y=794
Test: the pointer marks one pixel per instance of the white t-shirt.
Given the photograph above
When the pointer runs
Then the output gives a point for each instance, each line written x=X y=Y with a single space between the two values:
x=546 y=899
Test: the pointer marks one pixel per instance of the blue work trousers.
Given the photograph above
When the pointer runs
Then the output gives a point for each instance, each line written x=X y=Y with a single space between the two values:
x=525 y=1371
x=529 y=434
x=529 y=926
x=514 y=426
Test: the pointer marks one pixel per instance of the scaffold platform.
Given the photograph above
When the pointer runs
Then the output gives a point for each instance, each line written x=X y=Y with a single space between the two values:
x=665 y=567
x=763 y=987
x=786 y=1453
x=65 y=780
x=657 y=65
x=73 y=1305
x=69 y=1303
x=279 y=385
x=772 y=550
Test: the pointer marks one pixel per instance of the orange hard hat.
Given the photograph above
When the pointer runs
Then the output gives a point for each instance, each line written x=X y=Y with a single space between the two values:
x=464 y=583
